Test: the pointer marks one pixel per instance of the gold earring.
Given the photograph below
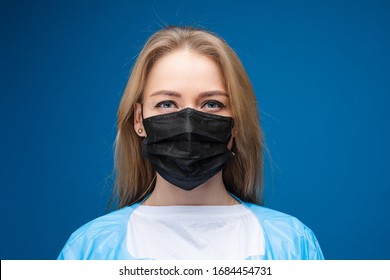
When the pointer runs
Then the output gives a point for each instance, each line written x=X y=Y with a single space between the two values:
x=140 y=130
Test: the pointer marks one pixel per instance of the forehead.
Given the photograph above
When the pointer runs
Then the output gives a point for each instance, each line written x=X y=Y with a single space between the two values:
x=184 y=71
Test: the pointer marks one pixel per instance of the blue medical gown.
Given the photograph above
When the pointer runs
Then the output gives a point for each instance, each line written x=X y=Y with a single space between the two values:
x=104 y=238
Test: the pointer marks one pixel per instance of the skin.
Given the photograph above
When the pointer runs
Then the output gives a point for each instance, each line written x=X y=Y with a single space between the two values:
x=179 y=80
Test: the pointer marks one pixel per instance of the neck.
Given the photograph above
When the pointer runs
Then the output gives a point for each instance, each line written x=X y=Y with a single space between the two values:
x=213 y=192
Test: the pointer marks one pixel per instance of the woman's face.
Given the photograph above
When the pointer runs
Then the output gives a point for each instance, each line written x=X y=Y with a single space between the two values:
x=184 y=79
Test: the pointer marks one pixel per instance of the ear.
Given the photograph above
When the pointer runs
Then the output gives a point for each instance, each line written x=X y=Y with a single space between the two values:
x=138 y=126
x=231 y=144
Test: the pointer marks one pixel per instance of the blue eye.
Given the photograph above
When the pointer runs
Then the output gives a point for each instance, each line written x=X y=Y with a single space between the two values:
x=167 y=104
x=213 y=104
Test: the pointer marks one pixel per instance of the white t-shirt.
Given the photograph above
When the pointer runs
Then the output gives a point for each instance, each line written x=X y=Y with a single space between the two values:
x=194 y=232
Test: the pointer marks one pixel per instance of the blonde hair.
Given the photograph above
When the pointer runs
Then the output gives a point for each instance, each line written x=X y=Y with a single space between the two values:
x=243 y=175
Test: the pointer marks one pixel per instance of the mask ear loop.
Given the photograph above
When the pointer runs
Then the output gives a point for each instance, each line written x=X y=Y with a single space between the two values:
x=233 y=150
x=142 y=112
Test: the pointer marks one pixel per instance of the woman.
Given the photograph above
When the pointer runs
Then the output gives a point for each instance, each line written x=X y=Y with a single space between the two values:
x=189 y=163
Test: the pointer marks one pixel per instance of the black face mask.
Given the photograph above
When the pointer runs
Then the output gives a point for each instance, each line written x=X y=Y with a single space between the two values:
x=187 y=147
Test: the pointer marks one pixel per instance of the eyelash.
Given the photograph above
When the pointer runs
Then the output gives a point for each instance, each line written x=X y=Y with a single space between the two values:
x=160 y=104
x=219 y=104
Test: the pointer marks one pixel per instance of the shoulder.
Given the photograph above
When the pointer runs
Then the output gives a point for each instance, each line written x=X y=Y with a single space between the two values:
x=270 y=216
x=285 y=235
x=109 y=229
x=113 y=221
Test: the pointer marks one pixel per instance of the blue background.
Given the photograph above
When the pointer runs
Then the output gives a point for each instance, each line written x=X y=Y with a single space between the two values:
x=321 y=74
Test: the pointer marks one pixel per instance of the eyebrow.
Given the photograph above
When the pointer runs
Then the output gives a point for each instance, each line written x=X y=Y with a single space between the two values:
x=166 y=92
x=212 y=93
x=201 y=95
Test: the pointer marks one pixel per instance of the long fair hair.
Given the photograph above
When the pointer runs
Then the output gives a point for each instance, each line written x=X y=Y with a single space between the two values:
x=135 y=176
